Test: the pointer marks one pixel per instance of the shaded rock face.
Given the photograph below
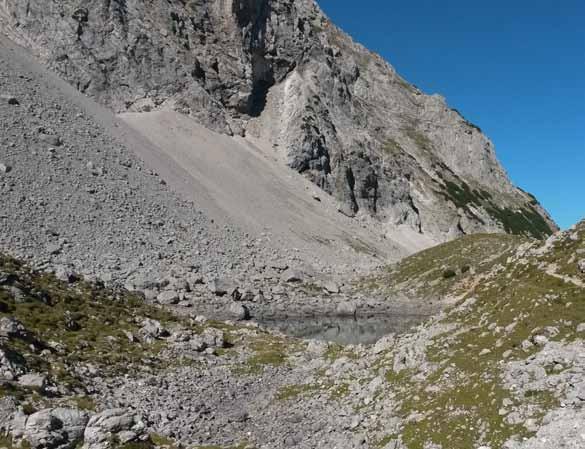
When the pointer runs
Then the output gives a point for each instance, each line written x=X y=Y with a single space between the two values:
x=280 y=71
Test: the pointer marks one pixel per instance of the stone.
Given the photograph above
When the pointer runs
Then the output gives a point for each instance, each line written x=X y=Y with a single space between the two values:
x=73 y=421
x=33 y=380
x=53 y=248
x=291 y=276
x=221 y=286
x=59 y=428
x=110 y=424
x=12 y=364
x=54 y=141
x=346 y=308
x=581 y=265
x=152 y=330
x=238 y=312
x=9 y=99
x=12 y=328
x=65 y=274
x=331 y=287
x=539 y=340
x=384 y=344
x=130 y=336
x=580 y=328
x=168 y=297
x=317 y=347
x=5 y=168
x=213 y=338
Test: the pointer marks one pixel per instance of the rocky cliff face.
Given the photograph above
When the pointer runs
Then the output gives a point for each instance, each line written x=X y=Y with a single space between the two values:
x=280 y=71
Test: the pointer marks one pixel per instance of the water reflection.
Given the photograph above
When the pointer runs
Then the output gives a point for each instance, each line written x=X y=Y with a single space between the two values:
x=343 y=330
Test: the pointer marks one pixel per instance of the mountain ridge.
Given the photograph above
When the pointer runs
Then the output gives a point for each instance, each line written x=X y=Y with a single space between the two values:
x=280 y=71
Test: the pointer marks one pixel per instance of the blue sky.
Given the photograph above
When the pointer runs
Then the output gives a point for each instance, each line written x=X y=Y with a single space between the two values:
x=516 y=68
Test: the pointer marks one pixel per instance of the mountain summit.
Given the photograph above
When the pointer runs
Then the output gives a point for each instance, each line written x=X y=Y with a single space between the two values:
x=279 y=72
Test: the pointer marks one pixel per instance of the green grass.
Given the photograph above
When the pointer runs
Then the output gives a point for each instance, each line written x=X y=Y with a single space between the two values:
x=295 y=391
x=469 y=400
x=267 y=351
x=422 y=275
x=525 y=221
x=102 y=316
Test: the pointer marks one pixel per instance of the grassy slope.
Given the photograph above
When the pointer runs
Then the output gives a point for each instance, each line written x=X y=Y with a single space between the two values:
x=457 y=404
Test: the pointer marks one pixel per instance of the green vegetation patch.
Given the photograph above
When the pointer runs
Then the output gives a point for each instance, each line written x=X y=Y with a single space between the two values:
x=267 y=350
x=464 y=396
x=78 y=324
x=525 y=221
x=422 y=275
x=295 y=391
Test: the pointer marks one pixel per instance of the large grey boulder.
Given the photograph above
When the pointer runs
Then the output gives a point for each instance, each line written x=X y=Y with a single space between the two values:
x=331 y=286
x=291 y=276
x=152 y=330
x=59 y=428
x=33 y=380
x=168 y=297
x=11 y=328
x=581 y=265
x=238 y=312
x=120 y=424
x=221 y=286
x=346 y=308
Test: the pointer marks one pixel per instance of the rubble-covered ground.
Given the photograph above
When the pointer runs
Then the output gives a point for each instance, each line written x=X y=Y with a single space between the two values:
x=502 y=367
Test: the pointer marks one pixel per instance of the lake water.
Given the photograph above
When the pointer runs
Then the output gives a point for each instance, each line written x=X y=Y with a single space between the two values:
x=343 y=330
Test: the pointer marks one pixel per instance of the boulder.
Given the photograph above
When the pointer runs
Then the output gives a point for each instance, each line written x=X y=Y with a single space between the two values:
x=168 y=297
x=12 y=328
x=384 y=344
x=213 y=338
x=152 y=330
x=9 y=99
x=347 y=308
x=54 y=141
x=8 y=408
x=118 y=424
x=65 y=274
x=540 y=340
x=5 y=168
x=33 y=380
x=317 y=347
x=331 y=287
x=238 y=311
x=581 y=265
x=221 y=286
x=291 y=276
x=59 y=428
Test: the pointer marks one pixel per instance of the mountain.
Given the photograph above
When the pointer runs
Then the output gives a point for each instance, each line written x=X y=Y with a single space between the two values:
x=280 y=73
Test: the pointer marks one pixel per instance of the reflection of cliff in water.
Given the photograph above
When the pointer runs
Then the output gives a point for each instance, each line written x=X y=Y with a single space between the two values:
x=343 y=330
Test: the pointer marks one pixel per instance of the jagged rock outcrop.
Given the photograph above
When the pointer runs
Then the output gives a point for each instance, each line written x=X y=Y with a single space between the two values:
x=279 y=70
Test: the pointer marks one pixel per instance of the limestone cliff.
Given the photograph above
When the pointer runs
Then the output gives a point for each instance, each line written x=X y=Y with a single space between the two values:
x=280 y=71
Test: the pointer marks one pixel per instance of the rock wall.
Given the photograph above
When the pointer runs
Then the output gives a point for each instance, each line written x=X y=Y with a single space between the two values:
x=281 y=71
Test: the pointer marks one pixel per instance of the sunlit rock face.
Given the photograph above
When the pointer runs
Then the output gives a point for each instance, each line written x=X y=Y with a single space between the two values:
x=280 y=71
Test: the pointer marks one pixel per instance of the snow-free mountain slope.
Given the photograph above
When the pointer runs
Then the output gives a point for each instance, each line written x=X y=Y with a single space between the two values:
x=280 y=71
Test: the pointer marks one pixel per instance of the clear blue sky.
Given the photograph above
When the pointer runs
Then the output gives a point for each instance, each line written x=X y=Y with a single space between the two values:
x=516 y=68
